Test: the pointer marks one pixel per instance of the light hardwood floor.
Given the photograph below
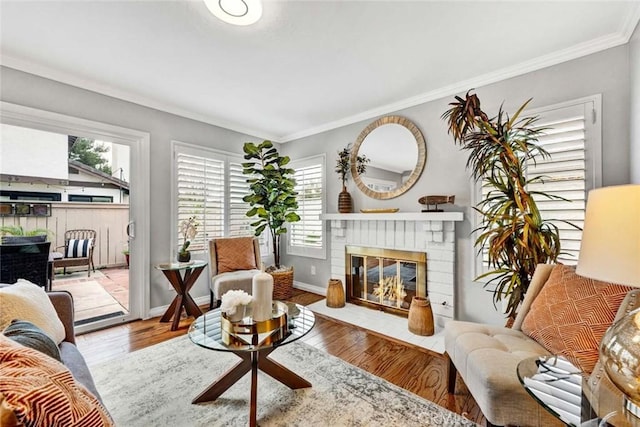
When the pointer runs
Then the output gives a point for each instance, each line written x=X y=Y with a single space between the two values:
x=416 y=370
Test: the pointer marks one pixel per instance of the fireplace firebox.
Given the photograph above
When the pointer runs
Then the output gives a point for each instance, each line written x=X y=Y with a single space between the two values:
x=385 y=279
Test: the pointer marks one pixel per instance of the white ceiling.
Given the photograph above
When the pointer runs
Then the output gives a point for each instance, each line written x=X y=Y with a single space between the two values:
x=307 y=66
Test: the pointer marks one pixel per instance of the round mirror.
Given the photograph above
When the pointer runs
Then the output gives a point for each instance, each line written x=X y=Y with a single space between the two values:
x=397 y=154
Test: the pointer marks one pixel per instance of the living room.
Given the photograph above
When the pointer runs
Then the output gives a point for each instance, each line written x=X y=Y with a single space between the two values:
x=605 y=64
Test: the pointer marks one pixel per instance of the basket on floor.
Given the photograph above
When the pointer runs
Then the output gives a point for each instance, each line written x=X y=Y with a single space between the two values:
x=282 y=284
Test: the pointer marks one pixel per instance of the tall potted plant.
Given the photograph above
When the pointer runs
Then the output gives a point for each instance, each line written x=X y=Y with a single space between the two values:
x=343 y=168
x=512 y=230
x=273 y=201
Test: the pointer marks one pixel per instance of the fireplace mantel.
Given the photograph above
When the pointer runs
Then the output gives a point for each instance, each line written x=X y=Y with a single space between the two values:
x=397 y=216
x=429 y=232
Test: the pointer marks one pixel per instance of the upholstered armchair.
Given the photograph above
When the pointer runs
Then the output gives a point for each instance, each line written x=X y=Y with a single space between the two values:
x=562 y=313
x=233 y=263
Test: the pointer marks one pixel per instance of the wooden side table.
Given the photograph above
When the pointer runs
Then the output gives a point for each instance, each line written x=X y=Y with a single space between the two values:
x=182 y=285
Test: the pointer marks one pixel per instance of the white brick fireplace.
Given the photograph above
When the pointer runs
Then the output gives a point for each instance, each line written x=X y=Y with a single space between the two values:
x=432 y=233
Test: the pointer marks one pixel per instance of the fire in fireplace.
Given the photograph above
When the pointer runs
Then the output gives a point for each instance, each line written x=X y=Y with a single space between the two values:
x=385 y=279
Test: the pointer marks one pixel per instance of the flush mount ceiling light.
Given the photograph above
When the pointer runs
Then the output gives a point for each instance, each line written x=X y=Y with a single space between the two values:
x=236 y=12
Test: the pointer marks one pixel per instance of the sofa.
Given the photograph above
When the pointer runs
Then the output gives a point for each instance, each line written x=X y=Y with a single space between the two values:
x=72 y=381
x=486 y=356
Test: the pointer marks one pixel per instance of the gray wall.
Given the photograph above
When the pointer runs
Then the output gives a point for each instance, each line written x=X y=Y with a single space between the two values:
x=606 y=72
x=29 y=90
x=634 y=90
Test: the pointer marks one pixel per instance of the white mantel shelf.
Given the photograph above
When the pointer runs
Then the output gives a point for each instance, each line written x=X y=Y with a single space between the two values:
x=397 y=216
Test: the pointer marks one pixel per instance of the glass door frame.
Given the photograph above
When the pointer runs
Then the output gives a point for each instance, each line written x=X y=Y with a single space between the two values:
x=139 y=212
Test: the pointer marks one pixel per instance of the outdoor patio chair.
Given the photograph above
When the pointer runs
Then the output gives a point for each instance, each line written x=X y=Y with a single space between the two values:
x=77 y=250
x=27 y=261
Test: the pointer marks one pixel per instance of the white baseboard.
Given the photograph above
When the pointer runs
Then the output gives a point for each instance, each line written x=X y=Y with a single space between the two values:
x=314 y=289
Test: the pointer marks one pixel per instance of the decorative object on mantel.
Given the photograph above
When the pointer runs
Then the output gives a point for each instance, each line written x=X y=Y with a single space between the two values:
x=335 y=294
x=343 y=167
x=516 y=238
x=188 y=229
x=380 y=210
x=432 y=202
x=272 y=199
x=421 y=316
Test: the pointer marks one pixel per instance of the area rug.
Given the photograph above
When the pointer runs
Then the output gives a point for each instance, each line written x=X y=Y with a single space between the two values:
x=389 y=325
x=90 y=299
x=154 y=387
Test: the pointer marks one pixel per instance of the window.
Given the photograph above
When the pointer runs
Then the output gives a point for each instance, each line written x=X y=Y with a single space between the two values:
x=306 y=237
x=210 y=186
x=29 y=195
x=572 y=137
x=90 y=199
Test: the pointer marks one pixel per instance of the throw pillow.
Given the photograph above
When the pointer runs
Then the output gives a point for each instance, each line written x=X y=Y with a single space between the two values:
x=29 y=335
x=572 y=313
x=78 y=248
x=236 y=253
x=41 y=391
x=26 y=301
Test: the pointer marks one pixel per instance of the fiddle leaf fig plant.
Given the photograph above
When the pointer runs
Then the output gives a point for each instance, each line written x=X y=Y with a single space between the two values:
x=512 y=231
x=273 y=198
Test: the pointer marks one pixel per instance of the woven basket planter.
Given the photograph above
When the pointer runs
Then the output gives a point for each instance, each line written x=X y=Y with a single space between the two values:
x=282 y=284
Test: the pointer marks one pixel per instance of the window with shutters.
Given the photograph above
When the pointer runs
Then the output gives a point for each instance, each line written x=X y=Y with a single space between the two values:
x=571 y=134
x=306 y=237
x=210 y=186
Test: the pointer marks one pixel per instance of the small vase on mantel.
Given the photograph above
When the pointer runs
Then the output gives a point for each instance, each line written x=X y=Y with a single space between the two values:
x=345 y=204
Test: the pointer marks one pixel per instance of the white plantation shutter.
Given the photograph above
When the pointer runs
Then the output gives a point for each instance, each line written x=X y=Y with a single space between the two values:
x=238 y=188
x=200 y=187
x=210 y=185
x=306 y=237
x=572 y=137
x=564 y=174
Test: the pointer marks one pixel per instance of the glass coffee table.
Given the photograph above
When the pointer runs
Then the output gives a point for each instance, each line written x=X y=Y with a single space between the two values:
x=252 y=342
x=560 y=387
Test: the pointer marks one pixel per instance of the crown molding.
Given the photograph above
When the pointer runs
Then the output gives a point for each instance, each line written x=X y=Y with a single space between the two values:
x=123 y=95
x=535 y=64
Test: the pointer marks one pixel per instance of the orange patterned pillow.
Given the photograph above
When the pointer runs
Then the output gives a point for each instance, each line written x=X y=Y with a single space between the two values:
x=41 y=391
x=235 y=253
x=572 y=313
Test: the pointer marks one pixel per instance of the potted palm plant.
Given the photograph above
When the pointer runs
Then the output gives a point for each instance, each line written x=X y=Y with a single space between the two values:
x=512 y=230
x=272 y=200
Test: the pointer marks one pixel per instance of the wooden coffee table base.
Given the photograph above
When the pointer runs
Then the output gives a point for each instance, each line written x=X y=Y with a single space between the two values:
x=252 y=361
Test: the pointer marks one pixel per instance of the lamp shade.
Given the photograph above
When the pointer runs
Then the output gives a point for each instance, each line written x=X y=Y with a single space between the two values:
x=610 y=251
x=610 y=248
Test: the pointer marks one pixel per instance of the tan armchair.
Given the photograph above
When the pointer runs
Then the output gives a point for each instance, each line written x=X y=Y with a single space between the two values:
x=486 y=357
x=233 y=263
x=77 y=250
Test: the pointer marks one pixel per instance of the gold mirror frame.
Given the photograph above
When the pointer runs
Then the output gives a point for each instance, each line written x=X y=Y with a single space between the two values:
x=417 y=171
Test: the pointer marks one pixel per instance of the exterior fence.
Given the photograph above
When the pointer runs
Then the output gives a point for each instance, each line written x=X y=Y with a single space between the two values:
x=109 y=220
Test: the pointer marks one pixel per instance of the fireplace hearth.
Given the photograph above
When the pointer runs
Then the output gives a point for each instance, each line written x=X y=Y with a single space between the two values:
x=385 y=279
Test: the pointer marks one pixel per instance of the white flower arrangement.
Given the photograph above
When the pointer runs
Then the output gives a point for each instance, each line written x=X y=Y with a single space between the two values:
x=233 y=299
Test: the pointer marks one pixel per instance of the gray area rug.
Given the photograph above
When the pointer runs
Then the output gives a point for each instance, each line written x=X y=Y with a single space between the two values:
x=154 y=387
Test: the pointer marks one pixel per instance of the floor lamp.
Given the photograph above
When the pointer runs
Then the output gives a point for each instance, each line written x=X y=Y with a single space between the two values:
x=610 y=251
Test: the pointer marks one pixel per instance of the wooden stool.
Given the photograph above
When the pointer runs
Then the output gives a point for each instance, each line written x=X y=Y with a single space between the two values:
x=335 y=294
x=420 y=316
